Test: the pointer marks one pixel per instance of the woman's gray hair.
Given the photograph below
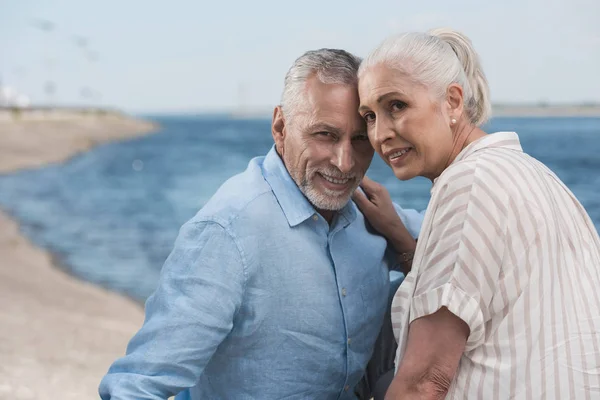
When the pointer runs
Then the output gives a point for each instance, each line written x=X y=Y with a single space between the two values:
x=437 y=59
x=331 y=66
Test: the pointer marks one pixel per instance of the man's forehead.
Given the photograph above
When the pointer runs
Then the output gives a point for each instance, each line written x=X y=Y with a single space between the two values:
x=335 y=122
x=331 y=98
x=317 y=90
x=330 y=105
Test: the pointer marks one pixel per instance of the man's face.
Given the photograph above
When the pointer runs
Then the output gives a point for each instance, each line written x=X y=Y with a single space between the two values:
x=325 y=146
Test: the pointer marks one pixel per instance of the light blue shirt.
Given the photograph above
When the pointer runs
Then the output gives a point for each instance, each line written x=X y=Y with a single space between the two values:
x=261 y=299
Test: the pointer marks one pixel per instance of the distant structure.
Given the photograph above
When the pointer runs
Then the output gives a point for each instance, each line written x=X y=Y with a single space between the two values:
x=10 y=97
x=244 y=110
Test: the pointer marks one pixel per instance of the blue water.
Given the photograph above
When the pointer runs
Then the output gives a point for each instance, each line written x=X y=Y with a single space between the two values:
x=112 y=214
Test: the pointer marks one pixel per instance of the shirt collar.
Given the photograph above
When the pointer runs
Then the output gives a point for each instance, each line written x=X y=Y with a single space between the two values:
x=294 y=204
x=505 y=140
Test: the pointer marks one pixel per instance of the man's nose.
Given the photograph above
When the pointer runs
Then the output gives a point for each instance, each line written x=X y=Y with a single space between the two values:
x=344 y=157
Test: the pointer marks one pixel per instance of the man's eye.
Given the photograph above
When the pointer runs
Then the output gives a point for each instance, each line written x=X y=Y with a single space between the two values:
x=323 y=134
x=369 y=117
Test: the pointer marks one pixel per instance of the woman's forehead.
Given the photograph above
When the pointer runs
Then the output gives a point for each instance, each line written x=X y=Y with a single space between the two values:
x=378 y=83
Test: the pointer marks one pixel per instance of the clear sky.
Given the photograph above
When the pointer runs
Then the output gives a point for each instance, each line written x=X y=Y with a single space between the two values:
x=198 y=55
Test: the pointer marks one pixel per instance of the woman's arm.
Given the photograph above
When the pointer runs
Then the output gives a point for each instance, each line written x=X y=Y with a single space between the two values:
x=435 y=345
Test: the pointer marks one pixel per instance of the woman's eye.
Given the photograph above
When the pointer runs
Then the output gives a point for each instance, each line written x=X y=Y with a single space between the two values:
x=398 y=105
x=369 y=117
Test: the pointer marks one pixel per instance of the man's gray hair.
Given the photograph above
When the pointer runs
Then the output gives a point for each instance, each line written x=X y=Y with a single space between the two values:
x=437 y=59
x=330 y=66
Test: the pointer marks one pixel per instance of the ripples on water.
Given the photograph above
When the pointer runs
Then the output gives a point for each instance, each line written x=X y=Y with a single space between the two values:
x=111 y=215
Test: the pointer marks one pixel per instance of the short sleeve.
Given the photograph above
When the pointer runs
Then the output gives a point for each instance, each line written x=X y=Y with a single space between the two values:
x=462 y=259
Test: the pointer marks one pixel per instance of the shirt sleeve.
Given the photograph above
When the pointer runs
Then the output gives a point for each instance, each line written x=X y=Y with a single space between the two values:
x=190 y=313
x=462 y=259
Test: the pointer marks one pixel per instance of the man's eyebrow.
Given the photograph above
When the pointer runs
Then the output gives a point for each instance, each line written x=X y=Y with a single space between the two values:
x=323 y=127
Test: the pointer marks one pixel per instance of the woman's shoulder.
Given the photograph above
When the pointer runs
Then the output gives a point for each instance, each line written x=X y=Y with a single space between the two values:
x=488 y=176
x=497 y=166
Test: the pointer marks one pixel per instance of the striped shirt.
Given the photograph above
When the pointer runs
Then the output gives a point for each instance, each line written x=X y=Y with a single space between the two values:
x=507 y=248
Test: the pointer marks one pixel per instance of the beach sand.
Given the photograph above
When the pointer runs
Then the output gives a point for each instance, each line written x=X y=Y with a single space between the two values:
x=58 y=335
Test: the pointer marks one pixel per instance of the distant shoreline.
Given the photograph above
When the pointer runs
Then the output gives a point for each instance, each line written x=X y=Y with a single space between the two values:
x=498 y=110
x=550 y=110
x=31 y=138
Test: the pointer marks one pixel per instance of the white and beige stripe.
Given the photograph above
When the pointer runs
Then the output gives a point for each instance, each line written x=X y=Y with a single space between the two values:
x=508 y=248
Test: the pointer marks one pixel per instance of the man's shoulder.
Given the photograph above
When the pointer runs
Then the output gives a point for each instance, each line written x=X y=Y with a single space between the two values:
x=238 y=196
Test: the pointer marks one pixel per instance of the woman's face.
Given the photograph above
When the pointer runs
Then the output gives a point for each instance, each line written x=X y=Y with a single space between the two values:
x=408 y=128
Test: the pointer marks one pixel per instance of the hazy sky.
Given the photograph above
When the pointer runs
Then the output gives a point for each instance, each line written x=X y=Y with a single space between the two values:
x=191 y=55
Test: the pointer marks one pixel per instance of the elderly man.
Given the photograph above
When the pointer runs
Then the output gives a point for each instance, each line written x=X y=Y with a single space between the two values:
x=277 y=288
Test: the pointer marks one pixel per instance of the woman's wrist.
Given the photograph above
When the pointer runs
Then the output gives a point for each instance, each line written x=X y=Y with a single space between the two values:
x=402 y=241
x=405 y=261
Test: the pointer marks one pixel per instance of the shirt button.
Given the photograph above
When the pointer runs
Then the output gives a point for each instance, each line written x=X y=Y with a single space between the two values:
x=344 y=292
x=316 y=217
x=346 y=388
x=349 y=340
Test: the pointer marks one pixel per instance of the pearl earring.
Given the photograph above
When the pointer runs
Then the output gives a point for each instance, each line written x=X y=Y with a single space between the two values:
x=452 y=121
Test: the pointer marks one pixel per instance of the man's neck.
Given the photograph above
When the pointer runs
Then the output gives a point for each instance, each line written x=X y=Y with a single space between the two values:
x=327 y=214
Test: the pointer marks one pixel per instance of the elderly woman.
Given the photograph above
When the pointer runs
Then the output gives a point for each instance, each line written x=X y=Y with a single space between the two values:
x=502 y=300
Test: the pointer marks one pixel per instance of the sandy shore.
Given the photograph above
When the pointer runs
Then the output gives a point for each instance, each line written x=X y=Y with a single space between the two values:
x=36 y=139
x=58 y=335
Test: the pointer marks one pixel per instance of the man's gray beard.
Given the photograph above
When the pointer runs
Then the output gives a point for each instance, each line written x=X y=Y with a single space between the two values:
x=326 y=199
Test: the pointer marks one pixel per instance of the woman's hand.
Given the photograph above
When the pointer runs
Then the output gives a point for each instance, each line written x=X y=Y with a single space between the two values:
x=376 y=205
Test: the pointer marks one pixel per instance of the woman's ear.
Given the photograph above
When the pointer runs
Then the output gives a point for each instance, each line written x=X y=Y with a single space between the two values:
x=278 y=130
x=455 y=100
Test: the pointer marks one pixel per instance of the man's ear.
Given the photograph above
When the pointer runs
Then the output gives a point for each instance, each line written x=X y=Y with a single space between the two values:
x=278 y=130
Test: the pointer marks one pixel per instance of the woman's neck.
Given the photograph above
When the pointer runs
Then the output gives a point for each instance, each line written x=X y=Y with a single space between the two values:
x=464 y=135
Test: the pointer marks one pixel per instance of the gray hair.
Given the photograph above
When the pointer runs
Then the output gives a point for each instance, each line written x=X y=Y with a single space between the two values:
x=437 y=59
x=331 y=66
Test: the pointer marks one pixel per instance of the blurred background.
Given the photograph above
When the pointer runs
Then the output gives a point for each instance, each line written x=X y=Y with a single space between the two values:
x=201 y=80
